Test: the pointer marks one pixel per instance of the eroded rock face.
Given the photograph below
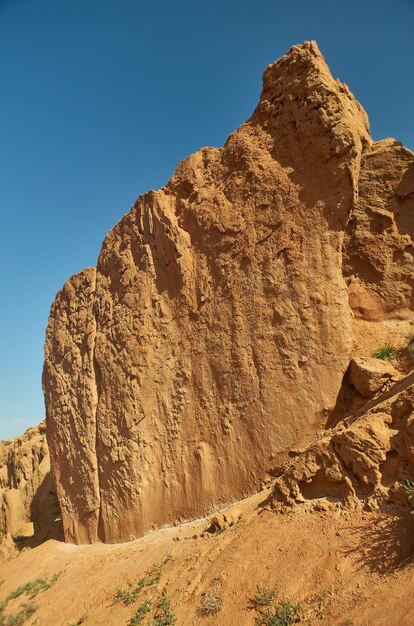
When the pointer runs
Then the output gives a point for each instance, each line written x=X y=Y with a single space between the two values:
x=28 y=504
x=71 y=392
x=214 y=334
x=360 y=462
x=369 y=376
x=379 y=251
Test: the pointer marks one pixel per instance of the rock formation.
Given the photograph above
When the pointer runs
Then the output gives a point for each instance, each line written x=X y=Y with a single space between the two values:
x=378 y=251
x=213 y=336
x=28 y=503
x=369 y=376
x=363 y=460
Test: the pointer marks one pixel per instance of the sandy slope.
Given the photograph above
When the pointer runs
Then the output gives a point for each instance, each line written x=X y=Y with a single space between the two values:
x=340 y=565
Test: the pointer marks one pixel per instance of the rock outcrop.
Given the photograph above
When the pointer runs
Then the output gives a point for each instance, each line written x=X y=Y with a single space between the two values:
x=379 y=251
x=369 y=376
x=28 y=503
x=213 y=336
x=361 y=462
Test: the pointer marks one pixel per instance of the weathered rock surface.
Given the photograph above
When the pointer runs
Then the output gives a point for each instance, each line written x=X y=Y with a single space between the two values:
x=369 y=375
x=214 y=334
x=359 y=462
x=28 y=504
x=379 y=251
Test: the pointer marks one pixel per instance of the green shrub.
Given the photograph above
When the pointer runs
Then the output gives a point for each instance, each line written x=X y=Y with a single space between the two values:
x=263 y=597
x=284 y=614
x=146 y=589
x=140 y=613
x=163 y=613
x=34 y=587
x=26 y=610
x=387 y=352
x=133 y=590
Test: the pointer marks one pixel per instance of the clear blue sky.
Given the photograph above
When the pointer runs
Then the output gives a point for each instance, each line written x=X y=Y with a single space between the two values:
x=99 y=101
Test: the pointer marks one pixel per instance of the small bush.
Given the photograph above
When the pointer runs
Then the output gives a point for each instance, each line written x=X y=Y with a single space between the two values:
x=322 y=596
x=146 y=588
x=211 y=603
x=284 y=614
x=387 y=352
x=163 y=614
x=263 y=597
x=33 y=588
x=140 y=613
x=131 y=593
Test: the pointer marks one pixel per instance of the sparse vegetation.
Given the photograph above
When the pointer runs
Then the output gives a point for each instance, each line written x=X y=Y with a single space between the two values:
x=140 y=613
x=163 y=614
x=146 y=589
x=26 y=610
x=211 y=603
x=33 y=588
x=348 y=622
x=387 y=352
x=263 y=597
x=322 y=595
x=131 y=593
x=284 y=613
x=272 y=613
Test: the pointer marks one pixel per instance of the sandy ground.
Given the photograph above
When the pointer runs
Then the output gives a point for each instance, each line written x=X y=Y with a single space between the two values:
x=343 y=567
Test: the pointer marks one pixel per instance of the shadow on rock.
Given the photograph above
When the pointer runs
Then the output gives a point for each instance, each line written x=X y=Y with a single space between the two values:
x=45 y=517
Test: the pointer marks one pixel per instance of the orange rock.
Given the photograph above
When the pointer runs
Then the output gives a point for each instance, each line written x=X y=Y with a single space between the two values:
x=28 y=505
x=213 y=336
x=370 y=375
x=359 y=461
x=378 y=249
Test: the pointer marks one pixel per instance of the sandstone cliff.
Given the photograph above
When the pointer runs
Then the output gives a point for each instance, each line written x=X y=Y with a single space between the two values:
x=28 y=504
x=213 y=336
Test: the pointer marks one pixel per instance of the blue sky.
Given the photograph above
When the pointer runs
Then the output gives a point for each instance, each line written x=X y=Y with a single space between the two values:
x=100 y=100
